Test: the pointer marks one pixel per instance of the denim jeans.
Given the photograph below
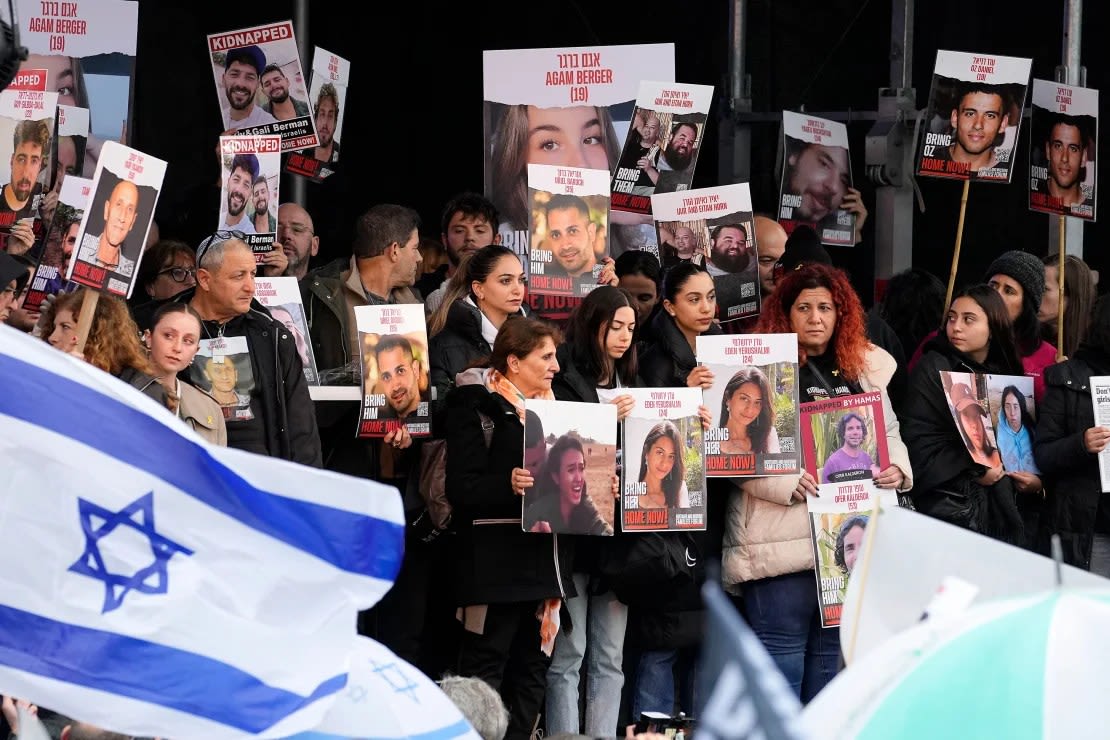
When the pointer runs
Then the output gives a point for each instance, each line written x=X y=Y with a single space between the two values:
x=783 y=613
x=599 y=622
x=655 y=682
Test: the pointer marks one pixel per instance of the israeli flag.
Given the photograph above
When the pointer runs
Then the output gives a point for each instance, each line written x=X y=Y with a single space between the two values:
x=154 y=585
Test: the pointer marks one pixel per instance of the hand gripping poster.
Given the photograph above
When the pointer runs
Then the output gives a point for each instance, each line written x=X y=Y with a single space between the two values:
x=87 y=48
x=845 y=447
x=661 y=148
x=663 y=460
x=567 y=107
x=251 y=174
x=571 y=451
x=974 y=116
x=114 y=226
x=260 y=84
x=283 y=298
x=1063 y=146
x=754 y=404
x=713 y=227
x=816 y=175
x=569 y=209
x=396 y=375
x=327 y=92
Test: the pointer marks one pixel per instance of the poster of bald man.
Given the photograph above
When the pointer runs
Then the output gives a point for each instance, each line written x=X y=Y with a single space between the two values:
x=115 y=225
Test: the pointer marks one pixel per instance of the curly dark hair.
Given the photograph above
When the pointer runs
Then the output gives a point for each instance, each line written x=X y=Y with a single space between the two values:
x=859 y=520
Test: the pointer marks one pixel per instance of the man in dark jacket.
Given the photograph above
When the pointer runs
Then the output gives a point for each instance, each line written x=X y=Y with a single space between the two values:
x=281 y=422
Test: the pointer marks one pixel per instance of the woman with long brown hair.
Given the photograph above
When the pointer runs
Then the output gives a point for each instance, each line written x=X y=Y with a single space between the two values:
x=113 y=343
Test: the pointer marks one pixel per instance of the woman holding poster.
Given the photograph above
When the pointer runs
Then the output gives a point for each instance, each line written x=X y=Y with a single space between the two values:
x=977 y=338
x=767 y=551
x=504 y=577
x=598 y=354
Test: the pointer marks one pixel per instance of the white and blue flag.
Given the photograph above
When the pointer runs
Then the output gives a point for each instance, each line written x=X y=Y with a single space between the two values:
x=155 y=585
x=387 y=699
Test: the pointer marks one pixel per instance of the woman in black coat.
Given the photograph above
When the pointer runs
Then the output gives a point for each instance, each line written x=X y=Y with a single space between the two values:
x=509 y=583
x=668 y=630
x=948 y=483
x=1066 y=450
x=599 y=353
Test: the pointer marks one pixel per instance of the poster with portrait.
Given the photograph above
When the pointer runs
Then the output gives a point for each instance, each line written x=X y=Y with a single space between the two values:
x=222 y=369
x=816 y=175
x=845 y=444
x=260 y=84
x=569 y=218
x=60 y=243
x=396 y=376
x=249 y=180
x=573 y=461
x=661 y=148
x=567 y=107
x=114 y=227
x=327 y=93
x=754 y=404
x=1063 y=148
x=966 y=394
x=838 y=525
x=663 y=464
x=1014 y=414
x=87 y=48
x=282 y=296
x=974 y=116
x=714 y=227
x=26 y=131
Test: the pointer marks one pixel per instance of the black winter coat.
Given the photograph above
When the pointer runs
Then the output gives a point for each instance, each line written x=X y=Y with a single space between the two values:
x=667 y=362
x=945 y=484
x=496 y=561
x=1071 y=474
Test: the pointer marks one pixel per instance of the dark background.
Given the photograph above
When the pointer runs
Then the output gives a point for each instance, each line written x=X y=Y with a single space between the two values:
x=413 y=124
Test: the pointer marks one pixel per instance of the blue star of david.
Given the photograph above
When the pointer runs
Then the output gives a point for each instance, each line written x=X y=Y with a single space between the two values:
x=139 y=516
x=392 y=674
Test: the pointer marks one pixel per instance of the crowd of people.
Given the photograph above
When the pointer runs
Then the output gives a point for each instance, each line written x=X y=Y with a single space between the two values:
x=541 y=616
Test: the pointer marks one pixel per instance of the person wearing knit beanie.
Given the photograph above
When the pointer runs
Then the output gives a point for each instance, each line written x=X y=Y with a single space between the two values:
x=1023 y=268
x=803 y=247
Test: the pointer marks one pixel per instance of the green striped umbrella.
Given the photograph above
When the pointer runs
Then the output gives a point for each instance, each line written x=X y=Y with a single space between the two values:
x=1031 y=667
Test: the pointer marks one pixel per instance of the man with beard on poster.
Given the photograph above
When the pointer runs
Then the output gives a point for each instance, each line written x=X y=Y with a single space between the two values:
x=732 y=265
x=22 y=196
x=398 y=376
x=327 y=117
x=676 y=159
x=240 y=180
x=570 y=237
x=242 y=68
x=264 y=221
x=281 y=105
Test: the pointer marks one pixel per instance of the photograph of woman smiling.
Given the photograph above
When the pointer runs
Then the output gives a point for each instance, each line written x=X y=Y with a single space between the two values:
x=747 y=414
x=663 y=469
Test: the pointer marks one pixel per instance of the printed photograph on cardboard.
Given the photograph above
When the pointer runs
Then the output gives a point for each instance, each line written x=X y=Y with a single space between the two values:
x=571 y=449
x=396 y=376
x=1063 y=146
x=966 y=396
x=1014 y=413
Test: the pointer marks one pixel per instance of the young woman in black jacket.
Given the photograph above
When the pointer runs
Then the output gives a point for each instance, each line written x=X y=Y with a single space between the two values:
x=668 y=631
x=599 y=353
x=1066 y=450
x=977 y=338
x=508 y=583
